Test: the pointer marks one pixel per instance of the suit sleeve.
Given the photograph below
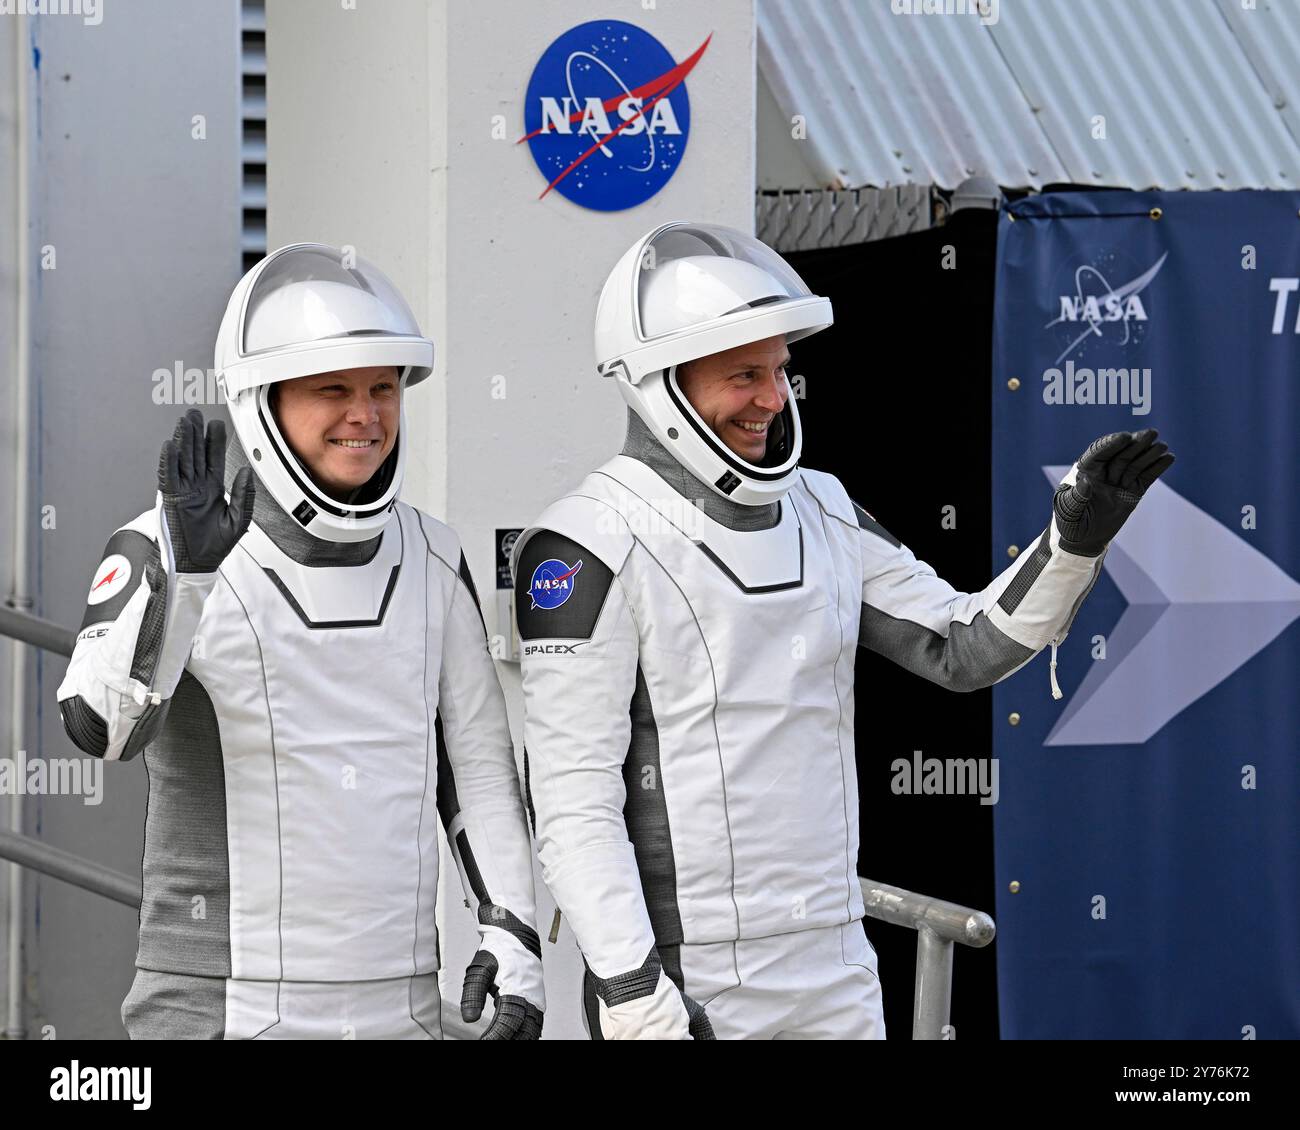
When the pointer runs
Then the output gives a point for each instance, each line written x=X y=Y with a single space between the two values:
x=479 y=799
x=579 y=647
x=965 y=641
x=135 y=639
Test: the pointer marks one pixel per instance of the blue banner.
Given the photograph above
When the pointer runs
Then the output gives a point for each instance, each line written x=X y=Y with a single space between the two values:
x=1148 y=831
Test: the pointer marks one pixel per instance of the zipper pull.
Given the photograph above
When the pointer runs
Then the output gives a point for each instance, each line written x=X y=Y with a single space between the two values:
x=1056 y=687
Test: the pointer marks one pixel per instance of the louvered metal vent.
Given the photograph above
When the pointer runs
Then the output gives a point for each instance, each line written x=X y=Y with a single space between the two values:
x=253 y=129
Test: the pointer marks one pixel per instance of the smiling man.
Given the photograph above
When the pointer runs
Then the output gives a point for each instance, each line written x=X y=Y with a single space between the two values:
x=689 y=617
x=341 y=425
x=303 y=663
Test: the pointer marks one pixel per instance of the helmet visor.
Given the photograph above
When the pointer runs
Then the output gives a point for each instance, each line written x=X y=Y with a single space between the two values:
x=307 y=295
x=692 y=274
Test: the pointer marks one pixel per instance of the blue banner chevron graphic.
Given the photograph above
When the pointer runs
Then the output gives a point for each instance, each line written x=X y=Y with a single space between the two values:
x=1148 y=830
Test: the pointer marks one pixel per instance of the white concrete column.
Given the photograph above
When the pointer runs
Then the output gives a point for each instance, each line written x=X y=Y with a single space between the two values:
x=385 y=132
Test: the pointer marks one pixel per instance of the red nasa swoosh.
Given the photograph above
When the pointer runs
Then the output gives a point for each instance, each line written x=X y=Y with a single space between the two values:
x=566 y=576
x=105 y=581
x=664 y=85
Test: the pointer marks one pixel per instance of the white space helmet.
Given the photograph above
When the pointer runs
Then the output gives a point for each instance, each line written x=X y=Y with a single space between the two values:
x=686 y=291
x=300 y=311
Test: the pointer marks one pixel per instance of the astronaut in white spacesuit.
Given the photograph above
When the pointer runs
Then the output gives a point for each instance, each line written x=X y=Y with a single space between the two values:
x=688 y=620
x=306 y=669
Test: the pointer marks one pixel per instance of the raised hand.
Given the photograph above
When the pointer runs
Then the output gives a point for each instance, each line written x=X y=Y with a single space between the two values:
x=1113 y=474
x=204 y=527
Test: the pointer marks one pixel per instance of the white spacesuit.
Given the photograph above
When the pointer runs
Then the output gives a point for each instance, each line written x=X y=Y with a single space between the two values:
x=306 y=696
x=688 y=625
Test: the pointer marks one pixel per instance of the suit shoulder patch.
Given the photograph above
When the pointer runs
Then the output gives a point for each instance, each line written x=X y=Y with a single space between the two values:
x=560 y=588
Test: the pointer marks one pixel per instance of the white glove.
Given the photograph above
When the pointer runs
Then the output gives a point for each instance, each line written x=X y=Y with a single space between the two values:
x=646 y=1005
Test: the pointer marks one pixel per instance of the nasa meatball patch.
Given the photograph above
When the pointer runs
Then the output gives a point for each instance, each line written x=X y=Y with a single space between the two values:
x=553 y=583
x=560 y=588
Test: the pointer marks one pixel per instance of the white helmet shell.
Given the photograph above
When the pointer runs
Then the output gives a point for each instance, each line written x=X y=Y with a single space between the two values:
x=304 y=309
x=685 y=291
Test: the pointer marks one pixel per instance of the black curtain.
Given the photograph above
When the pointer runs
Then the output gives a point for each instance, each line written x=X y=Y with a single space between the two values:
x=897 y=405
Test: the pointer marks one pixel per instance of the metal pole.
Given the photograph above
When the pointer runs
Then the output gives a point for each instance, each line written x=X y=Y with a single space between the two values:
x=23 y=851
x=19 y=598
x=938 y=925
x=947 y=919
x=36 y=631
x=932 y=1003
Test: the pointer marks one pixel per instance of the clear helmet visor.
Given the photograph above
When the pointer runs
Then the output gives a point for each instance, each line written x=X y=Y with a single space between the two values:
x=307 y=295
x=693 y=274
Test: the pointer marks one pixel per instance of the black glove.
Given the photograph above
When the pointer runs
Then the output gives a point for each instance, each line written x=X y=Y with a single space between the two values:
x=191 y=477
x=1113 y=475
x=515 y=1018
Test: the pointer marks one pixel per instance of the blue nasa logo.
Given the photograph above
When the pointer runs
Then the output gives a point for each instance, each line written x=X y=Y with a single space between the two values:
x=552 y=583
x=607 y=114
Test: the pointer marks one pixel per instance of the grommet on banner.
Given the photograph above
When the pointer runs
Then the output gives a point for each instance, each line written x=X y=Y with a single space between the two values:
x=1013 y=383
x=1014 y=886
x=1156 y=213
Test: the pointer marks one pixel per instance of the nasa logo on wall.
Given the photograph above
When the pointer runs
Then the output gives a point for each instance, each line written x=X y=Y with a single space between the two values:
x=607 y=114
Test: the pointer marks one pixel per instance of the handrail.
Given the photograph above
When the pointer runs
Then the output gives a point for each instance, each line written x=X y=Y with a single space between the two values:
x=101 y=880
x=36 y=631
x=938 y=925
x=61 y=864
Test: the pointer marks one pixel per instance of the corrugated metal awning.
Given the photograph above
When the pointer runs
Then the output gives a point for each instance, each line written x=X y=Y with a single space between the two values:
x=1194 y=93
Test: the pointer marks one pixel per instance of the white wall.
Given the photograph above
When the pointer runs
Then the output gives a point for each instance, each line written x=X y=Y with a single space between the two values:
x=380 y=135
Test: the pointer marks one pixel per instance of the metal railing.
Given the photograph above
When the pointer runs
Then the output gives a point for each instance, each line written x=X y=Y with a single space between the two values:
x=938 y=924
x=60 y=864
x=101 y=880
x=35 y=631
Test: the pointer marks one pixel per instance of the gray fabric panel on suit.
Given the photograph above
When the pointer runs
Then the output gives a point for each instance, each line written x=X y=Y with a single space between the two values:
x=146 y=729
x=148 y=644
x=867 y=522
x=641 y=444
x=671 y=957
x=591 y=1005
x=175 y=1006
x=86 y=728
x=447 y=800
x=646 y=814
x=974 y=655
x=629 y=986
x=1024 y=580
x=186 y=852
